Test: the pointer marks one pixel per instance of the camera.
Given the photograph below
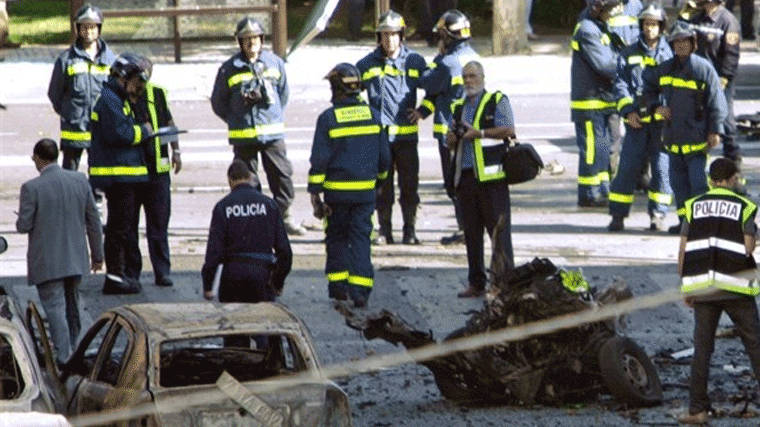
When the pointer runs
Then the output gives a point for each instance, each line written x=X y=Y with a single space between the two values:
x=255 y=92
x=459 y=129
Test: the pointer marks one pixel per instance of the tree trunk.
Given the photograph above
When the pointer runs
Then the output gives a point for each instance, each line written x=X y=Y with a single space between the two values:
x=509 y=27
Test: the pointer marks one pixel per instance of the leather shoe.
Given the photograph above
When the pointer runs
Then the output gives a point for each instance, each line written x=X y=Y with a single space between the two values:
x=164 y=282
x=592 y=203
x=472 y=292
x=360 y=302
x=700 y=418
x=456 y=238
x=616 y=224
x=125 y=287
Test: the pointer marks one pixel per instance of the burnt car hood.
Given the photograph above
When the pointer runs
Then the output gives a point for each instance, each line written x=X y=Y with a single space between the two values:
x=230 y=403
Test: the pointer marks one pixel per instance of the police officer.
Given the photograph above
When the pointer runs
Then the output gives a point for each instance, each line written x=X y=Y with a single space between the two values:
x=152 y=106
x=481 y=124
x=117 y=163
x=718 y=40
x=717 y=274
x=686 y=92
x=592 y=100
x=76 y=82
x=643 y=131
x=248 y=237
x=391 y=74
x=443 y=85
x=250 y=94
x=349 y=155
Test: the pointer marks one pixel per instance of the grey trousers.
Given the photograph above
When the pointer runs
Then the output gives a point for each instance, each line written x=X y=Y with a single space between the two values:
x=60 y=300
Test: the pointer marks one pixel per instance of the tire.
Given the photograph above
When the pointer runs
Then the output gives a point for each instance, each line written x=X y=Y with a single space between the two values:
x=629 y=374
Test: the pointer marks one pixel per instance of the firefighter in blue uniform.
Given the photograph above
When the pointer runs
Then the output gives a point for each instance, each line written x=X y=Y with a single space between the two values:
x=443 y=85
x=250 y=94
x=77 y=79
x=117 y=164
x=481 y=126
x=349 y=155
x=718 y=273
x=626 y=24
x=643 y=131
x=686 y=92
x=152 y=106
x=592 y=100
x=391 y=75
x=718 y=40
x=247 y=236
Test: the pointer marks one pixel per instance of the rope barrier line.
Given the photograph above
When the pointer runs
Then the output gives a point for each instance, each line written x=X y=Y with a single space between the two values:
x=378 y=362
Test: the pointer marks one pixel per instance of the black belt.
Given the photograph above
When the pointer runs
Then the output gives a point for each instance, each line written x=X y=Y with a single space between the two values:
x=264 y=260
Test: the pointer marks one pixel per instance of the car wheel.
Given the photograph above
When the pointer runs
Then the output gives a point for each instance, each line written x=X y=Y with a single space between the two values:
x=628 y=373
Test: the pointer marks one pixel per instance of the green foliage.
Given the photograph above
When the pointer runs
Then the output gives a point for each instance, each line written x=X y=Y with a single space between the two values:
x=39 y=21
x=559 y=14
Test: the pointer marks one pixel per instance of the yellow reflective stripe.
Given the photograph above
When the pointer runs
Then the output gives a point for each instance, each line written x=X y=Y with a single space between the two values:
x=337 y=276
x=622 y=102
x=594 y=180
x=644 y=61
x=575 y=45
x=118 y=170
x=432 y=65
x=402 y=130
x=686 y=148
x=457 y=80
x=239 y=78
x=591 y=104
x=354 y=131
x=75 y=136
x=681 y=83
x=605 y=39
x=357 y=113
x=162 y=162
x=413 y=73
x=138 y=134
x=94 y=117
x=622 y=21
x=480 y=164
x=349 y=185
x=263 y=129
x=621 y=198
x=366 y=282
x=681 y=212
x=440 y=128
x=661 y=198
x=317 y=179
x=382 y=175
x=590 y=143
x=372 y=73
x=392 y=71
x=272 y=73
x=456 y=104
x=87 y=68
x=428 y=104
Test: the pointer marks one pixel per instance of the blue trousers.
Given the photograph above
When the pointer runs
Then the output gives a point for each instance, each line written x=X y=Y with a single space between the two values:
x=347 y=237
x=641 y=144
x=687 y=177
x=594 y=141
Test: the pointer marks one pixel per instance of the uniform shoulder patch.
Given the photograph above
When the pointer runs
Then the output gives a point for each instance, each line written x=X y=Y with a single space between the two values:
x=356 y=113
x=732 y=38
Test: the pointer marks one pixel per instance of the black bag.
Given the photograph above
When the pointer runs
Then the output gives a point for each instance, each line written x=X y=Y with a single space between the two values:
x=521 y=163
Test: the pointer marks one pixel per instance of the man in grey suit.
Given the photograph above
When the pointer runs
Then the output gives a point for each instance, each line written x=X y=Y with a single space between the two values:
x=58 y=212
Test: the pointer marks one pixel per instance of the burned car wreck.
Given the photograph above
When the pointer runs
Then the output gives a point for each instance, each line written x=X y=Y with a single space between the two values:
x=199 y=364
x=569 y=365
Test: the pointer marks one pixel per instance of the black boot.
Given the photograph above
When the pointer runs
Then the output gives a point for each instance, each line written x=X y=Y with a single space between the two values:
x=410 y=218
x=385 y=234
